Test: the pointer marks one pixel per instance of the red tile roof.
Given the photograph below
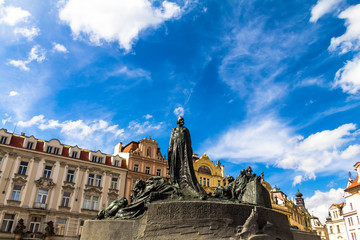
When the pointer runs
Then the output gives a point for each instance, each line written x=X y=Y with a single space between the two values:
x=354 y=183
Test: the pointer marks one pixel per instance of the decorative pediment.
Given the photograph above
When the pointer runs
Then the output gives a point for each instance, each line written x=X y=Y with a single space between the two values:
x=68 y=186
x=45 y=183
x=19 y=179
x=92 y=190
x=113 y=194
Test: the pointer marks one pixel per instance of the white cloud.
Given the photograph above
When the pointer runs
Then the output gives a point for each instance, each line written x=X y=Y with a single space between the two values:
x=79 y=132
x=113 y=20
x=297 y=179
x=179 y=111
x=271 y=141
x=137 y=73
x=36 y=120
x=350 y=40
x=59 y=48
x=29 y=33
x=348 y=77
x=323 y=7
x=13 y=15
x=148 y=116
x=36 y=54
x=320 y=202
x=6 y=119
x=13 y=93
x=141 y=128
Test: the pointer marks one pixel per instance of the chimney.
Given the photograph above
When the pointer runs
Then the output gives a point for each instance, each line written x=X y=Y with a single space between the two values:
x=22 y=134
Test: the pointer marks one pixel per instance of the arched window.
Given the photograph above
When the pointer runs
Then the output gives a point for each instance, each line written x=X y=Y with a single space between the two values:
x=148 y=153
x=204 y=169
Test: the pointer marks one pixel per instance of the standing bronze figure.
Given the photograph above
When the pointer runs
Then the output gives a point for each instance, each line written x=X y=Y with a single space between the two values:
x=181 y=162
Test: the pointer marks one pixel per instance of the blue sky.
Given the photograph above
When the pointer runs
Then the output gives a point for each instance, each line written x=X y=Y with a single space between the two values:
x=271 y=84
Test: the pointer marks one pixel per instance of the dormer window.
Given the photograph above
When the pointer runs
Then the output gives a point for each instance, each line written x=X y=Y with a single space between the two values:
x=56 y=150
x=74 y=155
x=116 y=163
x=3 y=140
x=49 y=149
x=94 y=159
x=100 y=159
x=74 y=152
x=30 y=145
x=97 y=157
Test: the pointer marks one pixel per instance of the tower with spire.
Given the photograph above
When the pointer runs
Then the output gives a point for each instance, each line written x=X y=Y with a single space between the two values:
x=299 y=200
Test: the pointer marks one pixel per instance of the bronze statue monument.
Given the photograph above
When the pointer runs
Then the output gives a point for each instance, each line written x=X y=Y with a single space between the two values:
x=181 y=162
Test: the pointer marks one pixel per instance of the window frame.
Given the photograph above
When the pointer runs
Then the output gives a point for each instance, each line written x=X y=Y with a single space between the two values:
x=5 y=227
x=15 y=193
x=21 y=168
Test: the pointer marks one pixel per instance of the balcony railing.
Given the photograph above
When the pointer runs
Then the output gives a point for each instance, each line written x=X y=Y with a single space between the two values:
x=40 y=205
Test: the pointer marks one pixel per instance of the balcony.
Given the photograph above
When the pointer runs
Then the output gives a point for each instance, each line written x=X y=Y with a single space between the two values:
x=40 y=205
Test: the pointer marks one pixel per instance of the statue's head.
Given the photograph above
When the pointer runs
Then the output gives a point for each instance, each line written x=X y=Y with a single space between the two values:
x=180 y=121
x=230 y=179
x=249 y=169
x=138 y=186
x=242 y=172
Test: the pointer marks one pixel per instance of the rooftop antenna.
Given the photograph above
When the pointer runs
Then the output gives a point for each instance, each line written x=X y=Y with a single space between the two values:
x=15 y=127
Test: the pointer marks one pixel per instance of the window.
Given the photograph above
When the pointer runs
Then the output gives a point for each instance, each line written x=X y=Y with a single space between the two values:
x=94 y=158
x=98 y=181
x=208 y=182
x=15 y=195
x=100 y=159
x=35 y=224
x=338 y=228
x=148 y=154
x=114 y=182
x=23 y=167
x=117 y=163
x=49 y=149
x=29 y=145
x=47 y=172
x=70 y=175
x=147 y=170
x=7 y=223
x=219 y=182
x=357 y=217
x=41 y=197
x=91 y=179
x=158 y=172
x=0 y=160
x=74 y=155
x=351 y=206
x=136 y=168
x=331 y=230
x=91 y=202
x=60 y=226
x=200 y=181
x=3 y=140
x=111 y=200
x=65 y=200
x=56 y=150
x=81 y=225
x=204 y=182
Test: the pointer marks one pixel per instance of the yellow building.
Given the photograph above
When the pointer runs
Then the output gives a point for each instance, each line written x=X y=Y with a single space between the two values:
x=209 y=176
x=296 y=213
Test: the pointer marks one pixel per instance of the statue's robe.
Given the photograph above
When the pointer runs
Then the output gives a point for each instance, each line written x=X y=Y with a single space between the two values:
x=181 y=163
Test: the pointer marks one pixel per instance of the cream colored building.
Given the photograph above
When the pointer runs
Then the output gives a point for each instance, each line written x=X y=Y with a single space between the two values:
x=335 y=222
x=43 y=181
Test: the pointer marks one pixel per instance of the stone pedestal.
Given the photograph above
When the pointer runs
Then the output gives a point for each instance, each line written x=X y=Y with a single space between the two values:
x=192 y=220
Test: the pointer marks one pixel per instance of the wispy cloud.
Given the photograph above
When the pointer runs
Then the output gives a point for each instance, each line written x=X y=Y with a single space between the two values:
x=132 y=73
x=78 y=132
x=113 y=20
x=29 y=33
x=323 y=7
x=320 y=202
x=57 y=47
x=36 y=54
x=144 y=127
x=271 y=141
x=179 y=111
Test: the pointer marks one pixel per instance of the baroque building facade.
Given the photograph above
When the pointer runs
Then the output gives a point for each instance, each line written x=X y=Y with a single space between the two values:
x=209 y=176
x=335 y=223
x=297 y=214
x=44 y=181
x=144 y=160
